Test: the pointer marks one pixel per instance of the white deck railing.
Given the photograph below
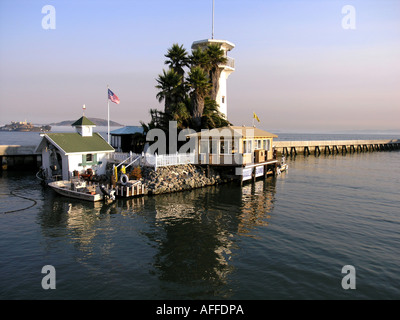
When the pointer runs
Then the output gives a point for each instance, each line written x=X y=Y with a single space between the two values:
x=174 y=159
x=153 y=160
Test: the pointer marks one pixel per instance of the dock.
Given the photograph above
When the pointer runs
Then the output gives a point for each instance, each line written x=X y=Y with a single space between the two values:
x=327 y=147
x=23 y=157
x=131 y=189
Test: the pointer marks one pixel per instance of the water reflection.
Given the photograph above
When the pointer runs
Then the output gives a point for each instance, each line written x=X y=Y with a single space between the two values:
x=191 y=239
x=257 y=204
x=81 y=224
x=197 y=233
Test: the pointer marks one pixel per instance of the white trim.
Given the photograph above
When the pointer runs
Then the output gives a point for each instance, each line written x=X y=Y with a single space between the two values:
x=88 y=151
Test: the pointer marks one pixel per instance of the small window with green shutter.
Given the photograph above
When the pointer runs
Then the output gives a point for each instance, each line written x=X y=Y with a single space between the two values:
x=89 y=159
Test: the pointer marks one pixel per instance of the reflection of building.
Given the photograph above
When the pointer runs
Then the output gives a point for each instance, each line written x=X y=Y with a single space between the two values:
x=257 y=204
x=194 y=238
x=63 y=153
x=196 y=232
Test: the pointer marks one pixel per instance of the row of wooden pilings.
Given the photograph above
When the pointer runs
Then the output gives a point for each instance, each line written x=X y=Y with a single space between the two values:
x=293 y=148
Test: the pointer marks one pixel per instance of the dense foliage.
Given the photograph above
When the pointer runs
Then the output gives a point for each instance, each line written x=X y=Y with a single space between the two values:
x=188 y=89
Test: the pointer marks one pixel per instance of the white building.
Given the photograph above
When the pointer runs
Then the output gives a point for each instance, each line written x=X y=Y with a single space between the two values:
x=64 y=153
x=226 y=70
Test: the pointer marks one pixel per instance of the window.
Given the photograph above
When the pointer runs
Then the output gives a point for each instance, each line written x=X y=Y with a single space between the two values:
x=89 y=159
x=225 y=147
x=203 y=146
x=213 y=146
x=266 y=145
x=247 y=146
x=223 y=99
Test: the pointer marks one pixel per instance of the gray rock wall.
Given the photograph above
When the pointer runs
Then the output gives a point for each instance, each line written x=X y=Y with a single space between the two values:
x=179 y=178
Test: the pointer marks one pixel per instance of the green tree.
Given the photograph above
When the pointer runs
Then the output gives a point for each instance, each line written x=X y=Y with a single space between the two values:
x=199 y=83
x=216 y=57
x=182 y=114
x=190 y=100
x=171 y=89
x=177 y=58
x=212 y=117
x=199 y=58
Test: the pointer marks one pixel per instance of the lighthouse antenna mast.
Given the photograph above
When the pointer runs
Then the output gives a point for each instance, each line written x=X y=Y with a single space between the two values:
x=212 y=35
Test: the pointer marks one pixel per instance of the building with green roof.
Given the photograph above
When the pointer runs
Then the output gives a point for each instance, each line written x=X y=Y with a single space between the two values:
x=64 y=153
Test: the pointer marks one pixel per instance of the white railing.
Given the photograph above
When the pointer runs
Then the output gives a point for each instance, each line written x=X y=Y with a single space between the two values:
x=174 y=159
x=230 y=62
x=154 y=160
x=119 y=156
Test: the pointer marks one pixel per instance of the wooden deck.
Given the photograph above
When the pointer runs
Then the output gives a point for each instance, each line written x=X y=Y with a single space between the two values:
x=131 y=189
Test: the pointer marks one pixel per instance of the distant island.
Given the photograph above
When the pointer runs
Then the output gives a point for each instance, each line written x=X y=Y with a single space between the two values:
x=24 y=126
x=96 y=121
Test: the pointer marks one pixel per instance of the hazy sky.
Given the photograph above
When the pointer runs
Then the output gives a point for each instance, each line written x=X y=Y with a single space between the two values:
x=296 y=66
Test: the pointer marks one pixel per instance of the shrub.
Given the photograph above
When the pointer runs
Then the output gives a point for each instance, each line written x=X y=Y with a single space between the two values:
x=136 y=174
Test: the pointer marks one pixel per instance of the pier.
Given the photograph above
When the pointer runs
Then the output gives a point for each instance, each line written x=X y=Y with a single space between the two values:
x=293 y=148
x=23 y=157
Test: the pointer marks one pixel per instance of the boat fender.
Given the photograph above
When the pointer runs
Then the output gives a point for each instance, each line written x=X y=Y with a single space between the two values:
x=124 y=179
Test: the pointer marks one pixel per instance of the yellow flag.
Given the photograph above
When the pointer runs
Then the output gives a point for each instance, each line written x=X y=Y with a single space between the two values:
x=255 y=117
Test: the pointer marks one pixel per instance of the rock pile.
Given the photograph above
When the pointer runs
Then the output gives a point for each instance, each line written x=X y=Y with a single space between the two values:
x=178 y=178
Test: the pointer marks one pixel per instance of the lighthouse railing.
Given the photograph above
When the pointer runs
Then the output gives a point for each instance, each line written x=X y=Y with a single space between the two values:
x=230 y=62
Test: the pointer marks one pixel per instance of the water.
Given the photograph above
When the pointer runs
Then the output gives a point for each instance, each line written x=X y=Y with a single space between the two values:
x=282 y=238
x=33 y=138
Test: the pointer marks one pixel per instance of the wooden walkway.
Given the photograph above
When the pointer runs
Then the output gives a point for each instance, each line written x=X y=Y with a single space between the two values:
x=334 y=146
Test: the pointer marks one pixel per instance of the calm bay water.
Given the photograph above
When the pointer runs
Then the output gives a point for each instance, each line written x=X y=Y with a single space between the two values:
x=280 y=238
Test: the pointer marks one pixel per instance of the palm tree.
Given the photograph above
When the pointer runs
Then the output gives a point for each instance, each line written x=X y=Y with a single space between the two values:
x=181 y=113
x=177 y=58
x=199 y=83
x=212 y=117
x=199 y=58
x=171 y=89
x=216 y=57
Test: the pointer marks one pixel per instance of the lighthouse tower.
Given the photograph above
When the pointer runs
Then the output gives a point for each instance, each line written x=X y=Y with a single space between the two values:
x=226 y=70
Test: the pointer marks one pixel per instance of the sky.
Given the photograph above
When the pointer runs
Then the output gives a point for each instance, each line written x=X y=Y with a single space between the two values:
x=297 y=64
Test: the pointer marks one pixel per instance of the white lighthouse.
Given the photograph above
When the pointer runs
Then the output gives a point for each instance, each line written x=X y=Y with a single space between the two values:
x=226 y=70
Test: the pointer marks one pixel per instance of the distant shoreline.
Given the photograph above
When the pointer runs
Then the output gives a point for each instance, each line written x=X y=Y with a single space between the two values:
x=96 y=121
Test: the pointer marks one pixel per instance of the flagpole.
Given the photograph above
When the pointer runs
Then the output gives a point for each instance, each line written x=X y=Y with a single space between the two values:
x=108 y=117
x=212 y=35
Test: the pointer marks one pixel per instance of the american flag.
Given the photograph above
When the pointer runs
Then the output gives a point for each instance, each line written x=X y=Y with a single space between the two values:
x=113 y=97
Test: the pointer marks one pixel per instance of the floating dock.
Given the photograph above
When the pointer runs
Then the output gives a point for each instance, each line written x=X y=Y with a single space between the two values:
x=133 y=188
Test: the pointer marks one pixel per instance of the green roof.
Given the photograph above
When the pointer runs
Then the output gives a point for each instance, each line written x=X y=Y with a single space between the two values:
x=73 y=142
x=83 y=121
